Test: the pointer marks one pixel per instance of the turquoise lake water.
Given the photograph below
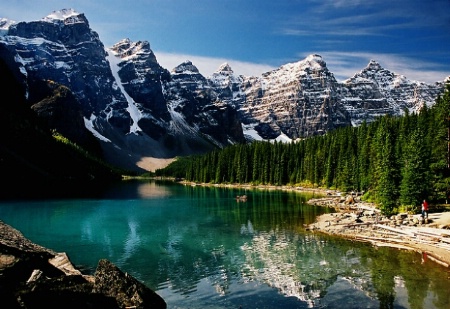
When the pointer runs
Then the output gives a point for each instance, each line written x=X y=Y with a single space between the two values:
x=198 y=247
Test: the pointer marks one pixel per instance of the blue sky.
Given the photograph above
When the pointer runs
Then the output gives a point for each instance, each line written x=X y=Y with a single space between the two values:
x=255 y=36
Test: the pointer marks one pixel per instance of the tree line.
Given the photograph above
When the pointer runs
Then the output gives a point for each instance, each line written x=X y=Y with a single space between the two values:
x=396 y=161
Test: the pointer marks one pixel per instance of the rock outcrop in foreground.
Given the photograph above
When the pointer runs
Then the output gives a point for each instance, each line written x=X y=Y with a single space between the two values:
x=32 y=276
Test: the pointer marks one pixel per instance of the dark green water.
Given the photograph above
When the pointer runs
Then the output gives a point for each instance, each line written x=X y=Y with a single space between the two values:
x=198 y=247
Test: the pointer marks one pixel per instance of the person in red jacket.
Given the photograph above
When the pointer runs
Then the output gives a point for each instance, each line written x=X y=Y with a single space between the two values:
x=425 y=209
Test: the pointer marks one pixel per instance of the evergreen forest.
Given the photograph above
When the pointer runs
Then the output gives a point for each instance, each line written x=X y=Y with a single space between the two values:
x=396 y=161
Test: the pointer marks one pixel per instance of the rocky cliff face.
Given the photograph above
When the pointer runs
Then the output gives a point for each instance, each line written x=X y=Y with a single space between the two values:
x=137 y=109
x=63 y=48
x=376 y=91
x=132 y=105
x=140 y=78
x=303 y=99
x=197 y=110
x=298 y=100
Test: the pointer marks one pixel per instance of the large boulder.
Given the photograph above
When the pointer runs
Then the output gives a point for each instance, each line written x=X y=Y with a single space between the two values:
x=32 y=276
x=128 y=292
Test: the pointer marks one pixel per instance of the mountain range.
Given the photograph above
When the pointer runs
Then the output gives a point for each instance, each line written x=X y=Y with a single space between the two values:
x=140 y=115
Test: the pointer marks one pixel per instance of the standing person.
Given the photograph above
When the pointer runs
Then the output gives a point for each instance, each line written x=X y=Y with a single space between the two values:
x=425 y=209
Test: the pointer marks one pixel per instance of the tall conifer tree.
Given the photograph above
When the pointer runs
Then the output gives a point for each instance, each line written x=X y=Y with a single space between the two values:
x=387 y=186
x=415 y=176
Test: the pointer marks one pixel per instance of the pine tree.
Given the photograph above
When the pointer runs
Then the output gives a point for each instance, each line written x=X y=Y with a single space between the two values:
x=387 y=187
x=399 y=159
x=363 y=157
x=415 y=176
x=330 y=170
x=439 y=136
x=257 y=166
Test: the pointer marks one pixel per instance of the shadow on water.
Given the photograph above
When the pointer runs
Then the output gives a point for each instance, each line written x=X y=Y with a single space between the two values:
x=71 y=189
x=46 y=189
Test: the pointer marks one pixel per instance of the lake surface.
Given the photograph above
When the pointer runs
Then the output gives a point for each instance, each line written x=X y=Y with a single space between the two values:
x=198 y=247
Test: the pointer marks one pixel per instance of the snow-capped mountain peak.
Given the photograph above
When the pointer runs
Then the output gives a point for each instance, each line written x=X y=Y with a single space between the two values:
x=374 y=66
x=128 y=49
x=61 y=15
x=313 y=65
x=5 y=23
x=185 y=68
x=224 y=79
x=373 y=73
x=224 y=67
x=122 y=44
x=139 y=109
x=314 y=60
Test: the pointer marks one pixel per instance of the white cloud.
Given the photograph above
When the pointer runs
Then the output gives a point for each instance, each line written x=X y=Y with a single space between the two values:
x=208 y=65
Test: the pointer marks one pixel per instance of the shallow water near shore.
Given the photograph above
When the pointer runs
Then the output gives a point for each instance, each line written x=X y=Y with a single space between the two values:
x=198 y=247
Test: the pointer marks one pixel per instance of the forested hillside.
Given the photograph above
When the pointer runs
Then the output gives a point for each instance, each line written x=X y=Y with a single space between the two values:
x=32 y=154
x=395 y=160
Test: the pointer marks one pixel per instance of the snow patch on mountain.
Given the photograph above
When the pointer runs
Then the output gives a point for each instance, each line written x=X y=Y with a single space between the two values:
x=63 y=15
x=283 y=138
x=250 y=133
x=127 y=50
x=227 y=83
x=185 y=68
x=5 y=23
x=89 y=124
x=129 y=100
x=134 y=112
x=178 y=123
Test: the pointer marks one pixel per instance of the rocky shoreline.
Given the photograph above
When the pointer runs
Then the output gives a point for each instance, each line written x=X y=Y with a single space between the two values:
x=360 y=221
x=32 y=276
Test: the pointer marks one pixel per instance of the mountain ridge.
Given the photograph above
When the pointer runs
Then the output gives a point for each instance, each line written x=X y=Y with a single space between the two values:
x=137 y=109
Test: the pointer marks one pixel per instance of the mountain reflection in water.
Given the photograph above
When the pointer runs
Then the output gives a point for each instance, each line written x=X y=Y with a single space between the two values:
x=198 y=247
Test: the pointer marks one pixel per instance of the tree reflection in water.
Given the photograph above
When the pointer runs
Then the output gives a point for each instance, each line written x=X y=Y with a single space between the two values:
x=198 y=247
